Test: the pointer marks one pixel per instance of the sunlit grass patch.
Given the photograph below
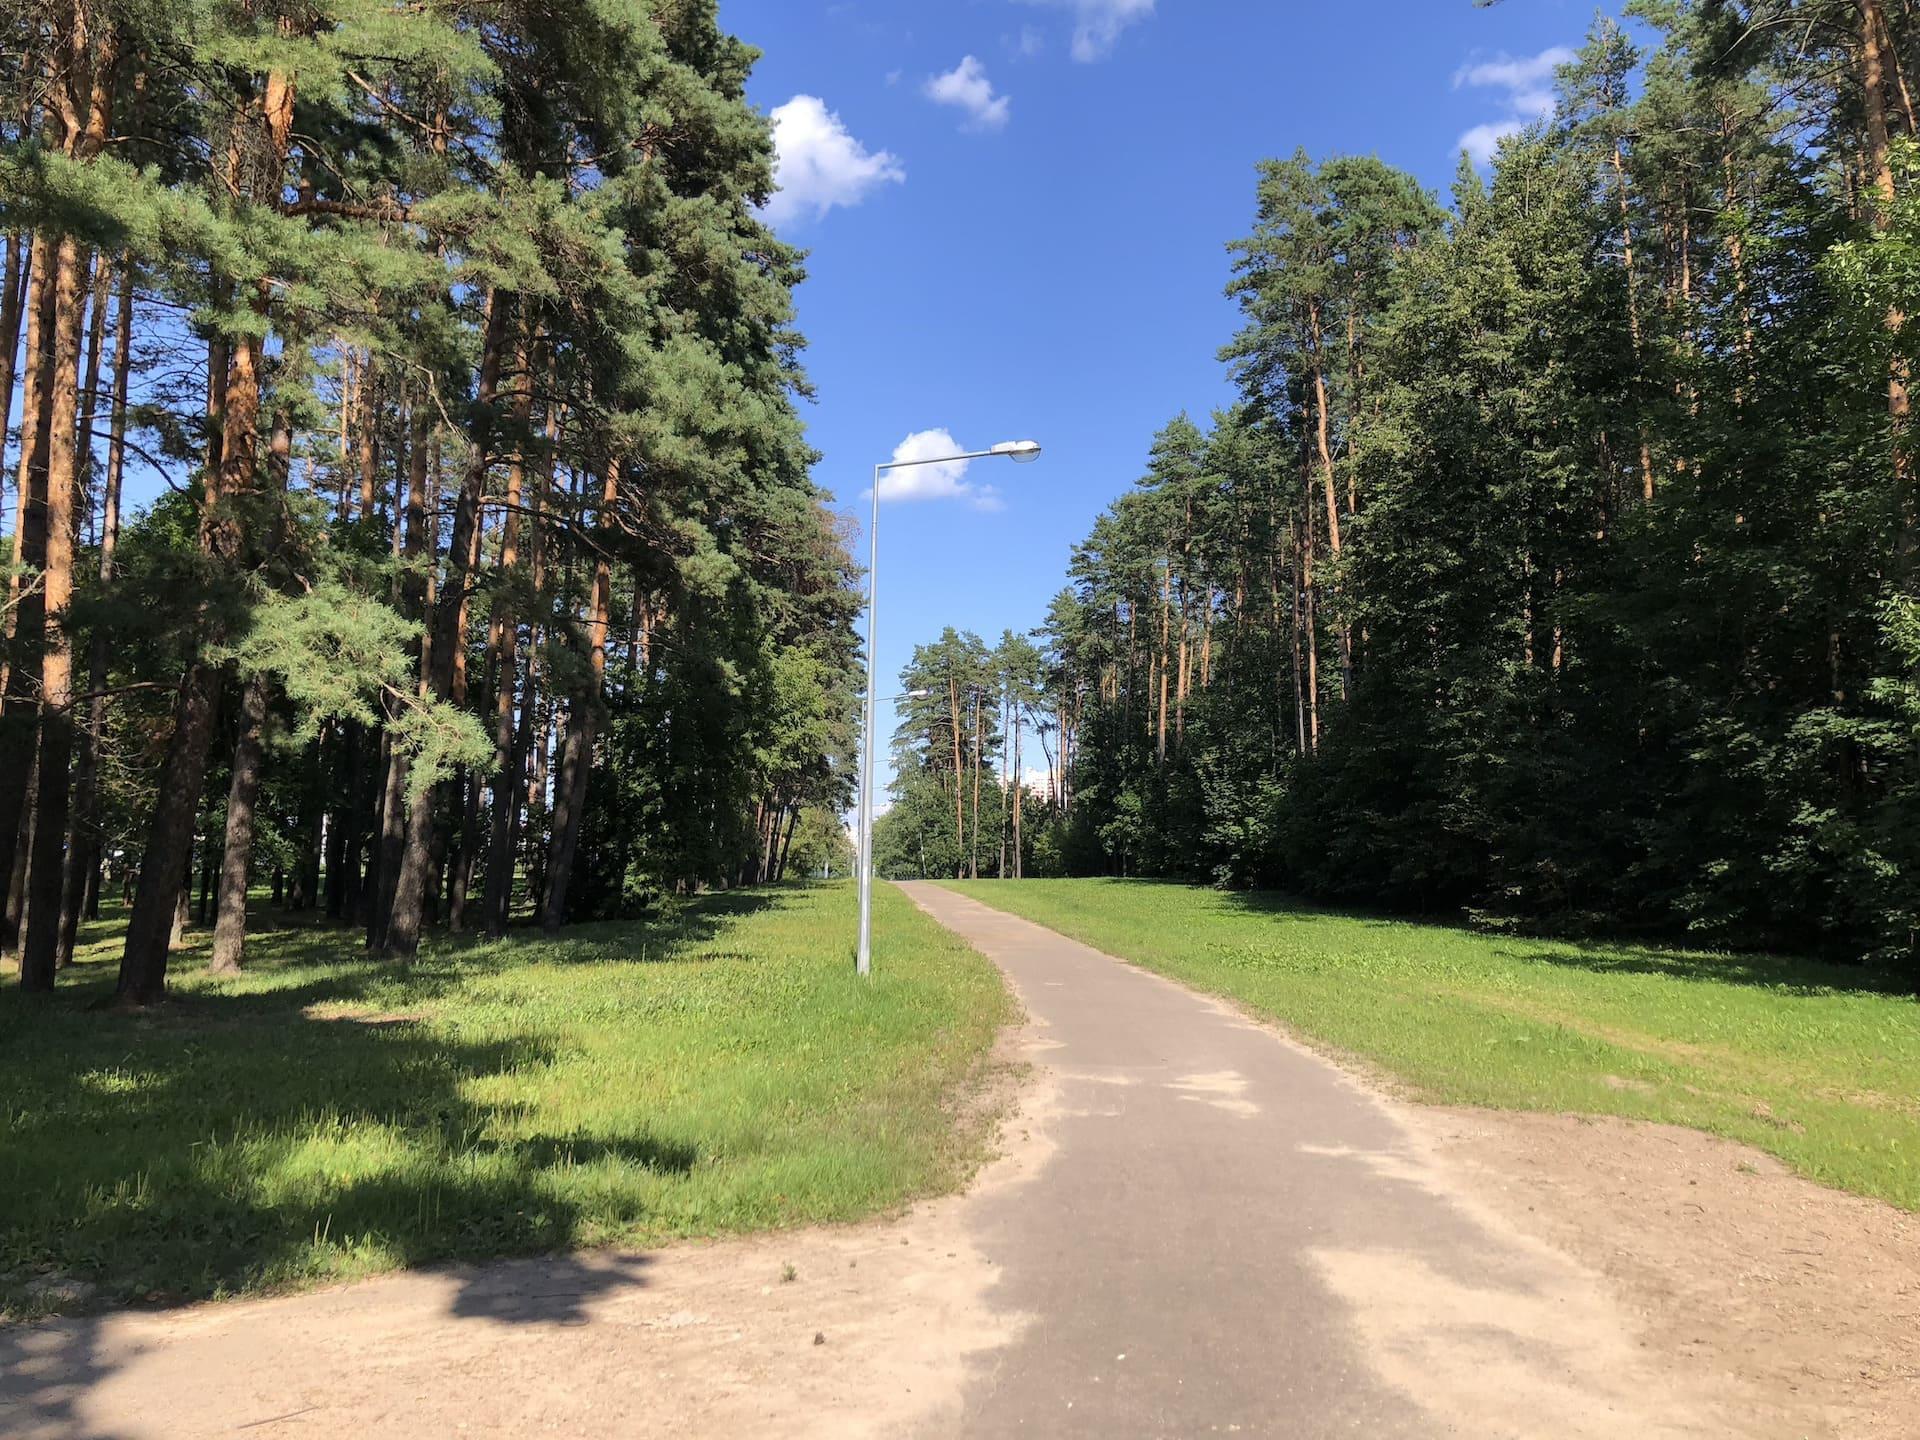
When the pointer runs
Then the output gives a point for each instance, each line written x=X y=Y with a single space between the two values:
x=324 y=1116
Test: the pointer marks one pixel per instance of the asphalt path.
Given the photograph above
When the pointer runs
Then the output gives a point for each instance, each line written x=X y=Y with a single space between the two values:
x=1233 y=1235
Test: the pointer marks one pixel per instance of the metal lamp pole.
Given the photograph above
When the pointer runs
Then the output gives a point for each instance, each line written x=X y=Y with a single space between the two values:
x=1019 y=451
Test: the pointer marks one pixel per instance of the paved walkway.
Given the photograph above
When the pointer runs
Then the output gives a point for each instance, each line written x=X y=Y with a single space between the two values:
x=1233 y=1236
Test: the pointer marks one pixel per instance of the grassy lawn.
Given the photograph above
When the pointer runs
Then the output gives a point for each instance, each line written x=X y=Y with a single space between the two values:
x=1812 y=1062
x=326 y=1117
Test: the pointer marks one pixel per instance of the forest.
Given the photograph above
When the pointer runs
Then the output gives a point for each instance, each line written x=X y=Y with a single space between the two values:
x=410 y=511
x=1555 y=564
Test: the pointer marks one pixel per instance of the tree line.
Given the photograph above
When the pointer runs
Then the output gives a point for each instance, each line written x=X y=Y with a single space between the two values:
x=1556 y=561
x=965 y=800
x=486 y=578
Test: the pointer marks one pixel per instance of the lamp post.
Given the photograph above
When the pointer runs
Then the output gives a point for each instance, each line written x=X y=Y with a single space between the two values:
x=1020 y=452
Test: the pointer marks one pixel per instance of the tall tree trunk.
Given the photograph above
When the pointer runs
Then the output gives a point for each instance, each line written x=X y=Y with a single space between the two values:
x=1322 y=436
x=90 y=392
x=143 y=964
x=39 y=955
x=582 y=719
x=1309 y=603
x=26 y=609
x=236 y=858
x=504 y=637
x=786 y=843
x=1160 y=658
x=1880 y=170
x=13 y=278
x=81 y=886
x=959 y=793
x=1622 y=195
x=82 y=97
x=1006 y=776
x=367 y=440
x=444 y=638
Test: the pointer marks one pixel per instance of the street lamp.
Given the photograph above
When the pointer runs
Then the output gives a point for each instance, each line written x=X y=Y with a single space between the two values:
x=1021 y=452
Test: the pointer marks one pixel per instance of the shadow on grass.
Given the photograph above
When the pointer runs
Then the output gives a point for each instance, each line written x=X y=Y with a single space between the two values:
x=1787 y=975
x=299 y=1123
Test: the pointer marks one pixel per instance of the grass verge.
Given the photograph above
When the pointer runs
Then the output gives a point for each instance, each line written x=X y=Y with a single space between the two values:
x=1813 y=1063
x=325 y=1117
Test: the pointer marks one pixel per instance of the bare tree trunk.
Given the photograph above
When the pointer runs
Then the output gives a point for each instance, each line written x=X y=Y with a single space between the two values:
x=26 y=600
x=81 y=95
x=786 y=843
x=367 y=440
x=1309 y=602
x=1160 y=657
x=1880 y=167
x=445 y=638
x=13 y=279
x=504 y=638
x=83 y=842
x=39 y=954
x=90 y=391
x=1323 y=444
x=959 y=796
x=143 y=964
x=582 y=720
x=236 y=860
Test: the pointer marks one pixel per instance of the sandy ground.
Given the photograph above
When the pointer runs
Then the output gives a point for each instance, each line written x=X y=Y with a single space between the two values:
x=849 y=1331
x=1803 y=1302
x=1696 y=1279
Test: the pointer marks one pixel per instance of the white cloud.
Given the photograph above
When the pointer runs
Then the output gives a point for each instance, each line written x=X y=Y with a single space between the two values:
x=945 y=480
x=819 y=165
x=1028 y=44
x=967 y=86
x=1098 y=23
x=1528 y=83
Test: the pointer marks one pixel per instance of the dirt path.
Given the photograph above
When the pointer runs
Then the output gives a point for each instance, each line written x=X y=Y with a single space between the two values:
x=1195 y=1227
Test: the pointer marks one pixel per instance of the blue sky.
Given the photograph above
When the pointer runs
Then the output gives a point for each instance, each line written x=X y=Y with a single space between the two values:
x=1017 y=213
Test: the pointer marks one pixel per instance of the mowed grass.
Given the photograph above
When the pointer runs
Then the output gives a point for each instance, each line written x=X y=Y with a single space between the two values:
x=1818 y=1064
x=325 y=1117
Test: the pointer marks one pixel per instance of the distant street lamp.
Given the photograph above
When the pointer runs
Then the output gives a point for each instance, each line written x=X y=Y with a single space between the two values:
x=1020 y=452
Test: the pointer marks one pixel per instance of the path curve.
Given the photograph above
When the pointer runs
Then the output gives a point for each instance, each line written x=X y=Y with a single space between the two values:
x=1232 y=1235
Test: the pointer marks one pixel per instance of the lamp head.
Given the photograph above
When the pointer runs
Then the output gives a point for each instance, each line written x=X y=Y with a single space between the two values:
x=1021 y=452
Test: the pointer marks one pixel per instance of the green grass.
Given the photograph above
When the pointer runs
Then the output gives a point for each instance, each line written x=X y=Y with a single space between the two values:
x=324 y=1117
x=1815 y=1063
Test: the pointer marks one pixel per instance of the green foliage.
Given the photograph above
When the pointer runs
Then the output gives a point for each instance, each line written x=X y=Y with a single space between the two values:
x=1556 y=564
x=334 y=652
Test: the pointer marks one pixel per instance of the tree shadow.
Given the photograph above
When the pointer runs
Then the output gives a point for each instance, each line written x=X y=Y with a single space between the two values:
x=309 y=1121
x=1785 y=974
x=1782 y=974
x=193 y=1151
x=551 y=1290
